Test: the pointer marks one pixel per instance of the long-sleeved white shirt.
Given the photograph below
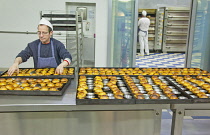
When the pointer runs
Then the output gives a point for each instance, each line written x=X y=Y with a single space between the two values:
x=144 y=23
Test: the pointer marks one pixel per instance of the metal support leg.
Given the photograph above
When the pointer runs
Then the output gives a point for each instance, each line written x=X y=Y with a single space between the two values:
x=157 y=126
x=177 y=122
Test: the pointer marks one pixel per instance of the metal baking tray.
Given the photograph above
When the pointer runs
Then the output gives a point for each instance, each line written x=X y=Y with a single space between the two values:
x=4 y=74
x=164 y=101
x=37 y=92
x=87 y=101
x=196 y=99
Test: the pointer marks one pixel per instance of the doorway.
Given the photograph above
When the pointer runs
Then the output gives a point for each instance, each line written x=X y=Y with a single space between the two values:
x=167 y=34
x=88 y=13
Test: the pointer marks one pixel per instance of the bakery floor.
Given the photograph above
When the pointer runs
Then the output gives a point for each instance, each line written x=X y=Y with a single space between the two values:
x=161 y=60
x=192 y=125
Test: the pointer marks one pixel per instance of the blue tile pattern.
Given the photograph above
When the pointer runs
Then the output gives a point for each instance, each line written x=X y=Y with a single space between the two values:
x=161 y=60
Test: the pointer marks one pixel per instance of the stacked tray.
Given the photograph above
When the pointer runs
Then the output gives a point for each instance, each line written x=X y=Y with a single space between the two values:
x=69 y=72
x=141 y=71
x=33 y=86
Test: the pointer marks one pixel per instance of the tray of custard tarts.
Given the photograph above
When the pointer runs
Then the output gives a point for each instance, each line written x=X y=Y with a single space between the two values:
x=33 y=86
x=155 y=90
x=141 y=71
x=103 y=90
x=197 y=87
x=69 y=72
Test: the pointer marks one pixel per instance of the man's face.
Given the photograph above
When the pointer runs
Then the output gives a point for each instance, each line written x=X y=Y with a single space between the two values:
x=43 y=33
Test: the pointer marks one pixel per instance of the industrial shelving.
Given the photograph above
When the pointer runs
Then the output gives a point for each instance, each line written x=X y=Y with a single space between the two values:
x=176 y=25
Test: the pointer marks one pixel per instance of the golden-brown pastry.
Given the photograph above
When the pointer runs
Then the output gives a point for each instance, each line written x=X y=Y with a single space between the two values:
x=24 y=80
x=27 y=88
x=81 y=94
x=9 y=80
x=173 y=97
x=15 y=85
x=3 y=88
x=43 y=84
x=44 y=89
x=151 y=92
x=25 y=84
x=55 y=80
x=50 y=84
x=36 y=88
x=53 y=89
x=58 y=84
x=9 y=87
x=2 y=83
x=30 y=80
x=203 y=96
x=64 y=80
x=38 y=80
x=18 y=88
x=118 y=96
x=2 y=79
x=139 y=96
x=153 y=96
x=46 y=80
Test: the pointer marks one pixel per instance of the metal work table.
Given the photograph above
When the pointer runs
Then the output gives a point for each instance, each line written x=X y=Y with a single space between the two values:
x=53 y=115
x=181 y=110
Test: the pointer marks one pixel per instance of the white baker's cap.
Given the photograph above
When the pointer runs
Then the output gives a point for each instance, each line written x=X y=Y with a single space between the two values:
x=46 y=22
x=144 y=13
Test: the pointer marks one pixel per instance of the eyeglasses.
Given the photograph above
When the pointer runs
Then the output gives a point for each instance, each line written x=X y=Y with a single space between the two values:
x=43 y=33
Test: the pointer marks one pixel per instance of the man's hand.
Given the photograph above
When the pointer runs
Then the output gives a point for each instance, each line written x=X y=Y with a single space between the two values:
x=13 y=68
x=59 y=69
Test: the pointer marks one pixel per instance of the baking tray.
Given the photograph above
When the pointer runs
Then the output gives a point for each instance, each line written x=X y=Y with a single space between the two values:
x=165 y=101
x=104 y=101
x=196 y=100
x=142 y=69
x=4 y=74
x=37 y=92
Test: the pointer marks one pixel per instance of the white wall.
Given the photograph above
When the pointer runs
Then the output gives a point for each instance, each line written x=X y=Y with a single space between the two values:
x=21 y=15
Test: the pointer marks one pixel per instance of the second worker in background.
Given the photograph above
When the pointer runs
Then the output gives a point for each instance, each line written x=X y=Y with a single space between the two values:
x=143 y=24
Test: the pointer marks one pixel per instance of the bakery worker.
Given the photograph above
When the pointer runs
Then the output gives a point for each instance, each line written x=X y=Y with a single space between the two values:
x=143 y=24
x=47 y=52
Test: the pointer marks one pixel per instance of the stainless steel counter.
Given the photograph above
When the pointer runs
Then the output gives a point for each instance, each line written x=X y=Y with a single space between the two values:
x=10 y=103
x=53 y=115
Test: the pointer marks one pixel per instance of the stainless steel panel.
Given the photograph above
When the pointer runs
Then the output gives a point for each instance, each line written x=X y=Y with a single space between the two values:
x=79 y=123
x=197 y=112
x=89 y=52
x=181 y=110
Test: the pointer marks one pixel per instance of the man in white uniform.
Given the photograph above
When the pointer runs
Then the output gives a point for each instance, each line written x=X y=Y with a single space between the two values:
x=143 y=24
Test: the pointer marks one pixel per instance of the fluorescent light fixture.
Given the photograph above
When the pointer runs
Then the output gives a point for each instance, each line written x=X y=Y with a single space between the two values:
x=124 y=0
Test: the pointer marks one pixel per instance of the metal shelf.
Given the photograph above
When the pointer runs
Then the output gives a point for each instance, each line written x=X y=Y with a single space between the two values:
x=176 y=26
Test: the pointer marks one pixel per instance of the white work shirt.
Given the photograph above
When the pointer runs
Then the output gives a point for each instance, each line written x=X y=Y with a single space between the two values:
x=144 y=23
